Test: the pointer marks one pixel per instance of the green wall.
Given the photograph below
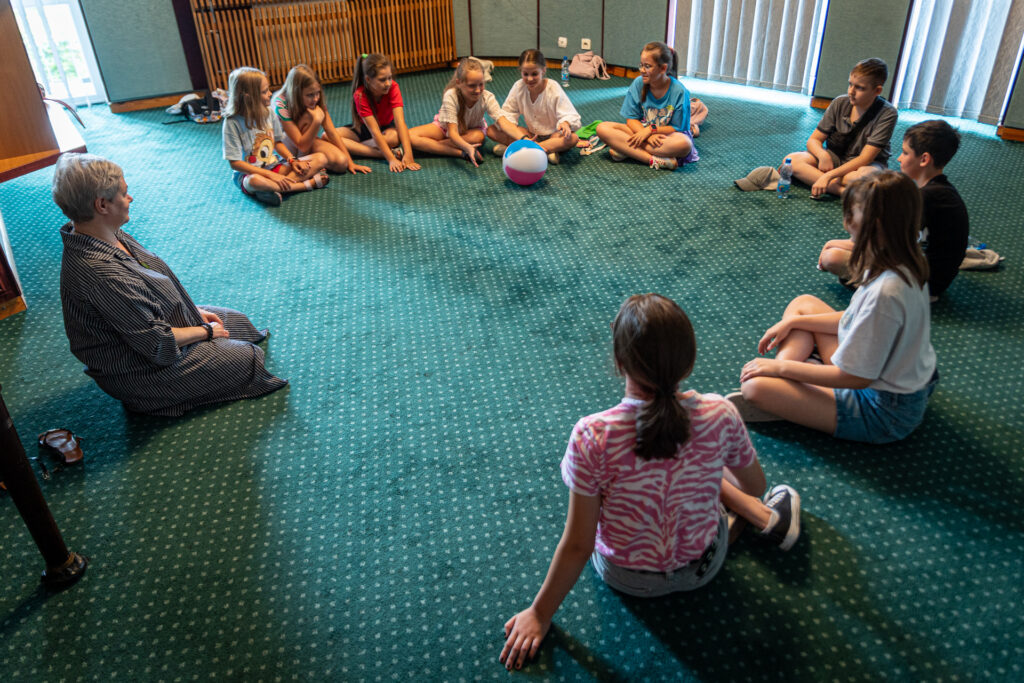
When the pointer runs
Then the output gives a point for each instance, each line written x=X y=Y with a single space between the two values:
x=504 y=28
x=628 y=26
x=574 y=19
x=138 y=47
x=856 y=30
x=460 y=17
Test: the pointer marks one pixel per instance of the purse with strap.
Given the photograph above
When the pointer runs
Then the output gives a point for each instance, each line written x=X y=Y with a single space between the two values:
x=588 y=65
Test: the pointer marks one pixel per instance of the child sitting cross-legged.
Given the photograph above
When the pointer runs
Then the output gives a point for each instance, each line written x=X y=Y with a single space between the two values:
x=852 y=137
x=927 y=148
x=253 y=139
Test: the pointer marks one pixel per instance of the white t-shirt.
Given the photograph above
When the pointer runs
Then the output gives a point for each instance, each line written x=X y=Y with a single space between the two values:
x=543 y=115
x=474 y=117
x=885 y=335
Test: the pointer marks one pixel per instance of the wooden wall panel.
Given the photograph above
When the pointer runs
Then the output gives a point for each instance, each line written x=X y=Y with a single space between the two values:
x=327 y=35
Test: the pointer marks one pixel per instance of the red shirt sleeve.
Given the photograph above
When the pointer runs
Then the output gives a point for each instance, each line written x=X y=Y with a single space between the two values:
x=362 y=103
x=395 y=96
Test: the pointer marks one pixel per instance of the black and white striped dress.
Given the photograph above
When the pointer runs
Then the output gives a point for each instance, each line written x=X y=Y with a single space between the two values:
x=118 y=315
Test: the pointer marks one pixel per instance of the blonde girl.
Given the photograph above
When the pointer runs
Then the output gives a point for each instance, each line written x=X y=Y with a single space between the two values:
x=548 y=115
x=645 y=479
x=657 y=111
x=300 y=107
x=459 y=128
x=254 y=143
x=875 y=367
x=378 y=127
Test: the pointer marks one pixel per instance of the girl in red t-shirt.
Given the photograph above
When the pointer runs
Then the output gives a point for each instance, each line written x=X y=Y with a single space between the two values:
x=378 y=123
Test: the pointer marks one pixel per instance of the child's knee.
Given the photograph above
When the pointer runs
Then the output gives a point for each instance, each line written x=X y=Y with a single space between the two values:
x=757 y=390
x=604 y=128
x=834 y=260
x=805 y=304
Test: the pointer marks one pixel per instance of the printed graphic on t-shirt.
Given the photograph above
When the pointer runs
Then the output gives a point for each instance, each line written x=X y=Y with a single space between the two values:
x=263 y=149
x=660 y=117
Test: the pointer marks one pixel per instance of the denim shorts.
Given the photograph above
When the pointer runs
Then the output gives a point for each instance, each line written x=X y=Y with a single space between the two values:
x=691 y=575
x=875 y=416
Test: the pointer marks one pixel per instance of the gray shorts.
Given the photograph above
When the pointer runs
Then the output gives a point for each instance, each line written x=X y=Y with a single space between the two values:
x=690 y=576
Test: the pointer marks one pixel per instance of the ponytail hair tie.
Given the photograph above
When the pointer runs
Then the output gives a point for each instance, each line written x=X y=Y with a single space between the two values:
x=364 y=55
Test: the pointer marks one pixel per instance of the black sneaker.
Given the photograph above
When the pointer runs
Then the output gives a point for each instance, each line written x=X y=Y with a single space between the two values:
x=784 y=501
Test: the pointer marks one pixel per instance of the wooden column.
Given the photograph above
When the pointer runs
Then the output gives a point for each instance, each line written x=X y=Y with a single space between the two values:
x=27 y=135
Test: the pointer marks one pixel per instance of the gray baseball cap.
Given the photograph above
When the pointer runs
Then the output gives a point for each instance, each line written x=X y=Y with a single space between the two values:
x=761 y=178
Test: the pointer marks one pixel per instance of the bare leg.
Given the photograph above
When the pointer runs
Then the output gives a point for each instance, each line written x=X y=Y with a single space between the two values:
x=336 y=161
x=556 y=143
x=805 y=167
x=357 y=148
x=805 y=404
x=503 y=138
x=617 y=136
x=746 y=505
x=835 y=260
x=431 y=139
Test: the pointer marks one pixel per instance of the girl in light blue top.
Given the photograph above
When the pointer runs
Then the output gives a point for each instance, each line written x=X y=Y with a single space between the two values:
x=657 y=113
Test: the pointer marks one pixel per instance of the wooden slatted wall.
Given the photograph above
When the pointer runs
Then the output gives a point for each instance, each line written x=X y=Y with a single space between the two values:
x=325 y=34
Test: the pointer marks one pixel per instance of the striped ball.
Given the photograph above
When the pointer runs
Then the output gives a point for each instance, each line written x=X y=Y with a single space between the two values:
x=524 y=162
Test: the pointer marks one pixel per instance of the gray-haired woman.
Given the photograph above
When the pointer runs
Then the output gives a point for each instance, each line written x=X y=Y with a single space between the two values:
x=129 y=319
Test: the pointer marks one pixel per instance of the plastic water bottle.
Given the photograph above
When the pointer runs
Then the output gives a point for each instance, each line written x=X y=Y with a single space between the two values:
x=565 y=71
x=785 y=180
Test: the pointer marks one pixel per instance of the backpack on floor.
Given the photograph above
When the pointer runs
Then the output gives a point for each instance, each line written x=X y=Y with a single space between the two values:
x=205 y=108
x=588 y=65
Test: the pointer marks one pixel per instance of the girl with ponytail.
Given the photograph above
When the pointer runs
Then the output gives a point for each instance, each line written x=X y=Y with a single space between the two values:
x=378 y=127
x=647 y=479
x=657 y=113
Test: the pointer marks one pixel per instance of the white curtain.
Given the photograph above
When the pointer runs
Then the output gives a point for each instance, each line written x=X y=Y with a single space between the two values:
x=765 y=43
x=960 y=57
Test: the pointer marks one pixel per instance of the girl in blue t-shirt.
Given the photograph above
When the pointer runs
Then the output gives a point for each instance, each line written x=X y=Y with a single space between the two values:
x=657 y=113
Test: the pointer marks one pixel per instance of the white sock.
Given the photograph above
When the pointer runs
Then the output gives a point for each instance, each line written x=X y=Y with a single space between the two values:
x=773 y=519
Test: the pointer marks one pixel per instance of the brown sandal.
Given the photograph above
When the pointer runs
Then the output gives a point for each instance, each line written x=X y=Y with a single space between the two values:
x=62 y=444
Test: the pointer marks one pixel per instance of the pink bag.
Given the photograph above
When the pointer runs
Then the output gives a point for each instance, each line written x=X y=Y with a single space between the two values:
x=588 y=65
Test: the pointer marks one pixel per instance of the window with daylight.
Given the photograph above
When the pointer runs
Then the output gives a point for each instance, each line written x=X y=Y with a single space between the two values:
x=764 y=43
x=59 y=49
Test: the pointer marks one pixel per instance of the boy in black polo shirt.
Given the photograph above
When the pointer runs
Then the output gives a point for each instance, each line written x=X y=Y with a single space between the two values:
x=927 y=148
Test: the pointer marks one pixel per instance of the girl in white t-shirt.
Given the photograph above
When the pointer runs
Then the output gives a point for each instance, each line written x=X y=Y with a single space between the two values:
x=874 y=367
x=300 y=107
x=646 y=478
x=459 y=128
x=547 y=113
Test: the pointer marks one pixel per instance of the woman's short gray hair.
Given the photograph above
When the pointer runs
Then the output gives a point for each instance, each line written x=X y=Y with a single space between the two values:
x=80 y=179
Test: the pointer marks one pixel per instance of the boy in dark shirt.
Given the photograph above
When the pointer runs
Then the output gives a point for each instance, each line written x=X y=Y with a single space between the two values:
x=927 y=148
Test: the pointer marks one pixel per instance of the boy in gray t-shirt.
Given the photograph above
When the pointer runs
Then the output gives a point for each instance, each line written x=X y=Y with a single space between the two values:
x=843 y=147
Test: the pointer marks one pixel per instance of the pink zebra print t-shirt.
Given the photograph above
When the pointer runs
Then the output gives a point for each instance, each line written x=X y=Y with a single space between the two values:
x=656 y=515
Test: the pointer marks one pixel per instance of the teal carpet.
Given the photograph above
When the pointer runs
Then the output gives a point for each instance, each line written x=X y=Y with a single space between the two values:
x=383 y=516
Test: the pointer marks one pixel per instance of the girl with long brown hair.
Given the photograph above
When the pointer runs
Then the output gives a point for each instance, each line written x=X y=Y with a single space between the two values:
x=866 y=373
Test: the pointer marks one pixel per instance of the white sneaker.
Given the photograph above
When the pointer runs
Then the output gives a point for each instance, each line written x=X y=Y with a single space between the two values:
x=499 y=149
x=553 y=158
x=748 y=411
x=664 y=163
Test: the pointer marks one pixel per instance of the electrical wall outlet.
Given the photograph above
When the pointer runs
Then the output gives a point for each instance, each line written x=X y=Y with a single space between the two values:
x=585 y=44
x=563 y=41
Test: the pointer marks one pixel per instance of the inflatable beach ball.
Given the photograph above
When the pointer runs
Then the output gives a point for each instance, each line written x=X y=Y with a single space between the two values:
x=524 y=162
